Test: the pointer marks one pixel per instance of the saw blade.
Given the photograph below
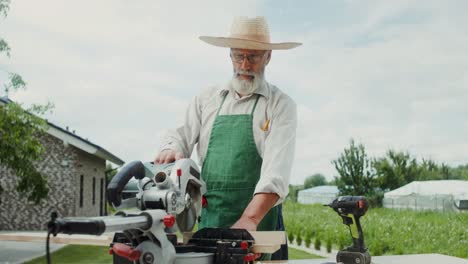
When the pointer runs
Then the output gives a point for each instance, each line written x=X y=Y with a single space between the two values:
x=188 y=217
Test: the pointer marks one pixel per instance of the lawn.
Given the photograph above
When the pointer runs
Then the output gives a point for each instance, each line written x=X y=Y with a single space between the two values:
x=99 y=254
x=386 y=231
x=299 y=254
x=78 y=254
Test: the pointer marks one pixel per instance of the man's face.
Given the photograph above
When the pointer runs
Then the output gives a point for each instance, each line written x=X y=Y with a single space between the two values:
x=245 y=61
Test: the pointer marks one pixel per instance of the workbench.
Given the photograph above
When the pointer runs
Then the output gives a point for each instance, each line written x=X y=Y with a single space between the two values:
x=400 y=259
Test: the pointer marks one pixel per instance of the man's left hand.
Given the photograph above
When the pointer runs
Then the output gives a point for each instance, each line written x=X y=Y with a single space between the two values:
x=246 y=223
x=256 y=210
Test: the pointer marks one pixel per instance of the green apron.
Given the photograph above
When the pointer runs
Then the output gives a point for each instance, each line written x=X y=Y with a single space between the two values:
x=231 y=171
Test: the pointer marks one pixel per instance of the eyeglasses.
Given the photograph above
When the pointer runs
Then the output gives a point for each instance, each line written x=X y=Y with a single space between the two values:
x=251 y=58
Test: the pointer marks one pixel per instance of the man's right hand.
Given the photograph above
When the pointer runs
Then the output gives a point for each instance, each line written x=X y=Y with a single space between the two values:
x=168 y=156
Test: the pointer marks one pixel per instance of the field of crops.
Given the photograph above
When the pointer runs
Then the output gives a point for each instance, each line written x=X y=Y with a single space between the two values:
x=386 y=231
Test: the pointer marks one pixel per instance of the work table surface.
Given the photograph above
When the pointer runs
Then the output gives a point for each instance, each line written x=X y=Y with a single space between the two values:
x=400 y=259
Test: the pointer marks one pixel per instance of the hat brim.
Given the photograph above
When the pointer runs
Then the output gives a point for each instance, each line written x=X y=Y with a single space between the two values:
x=238 y=43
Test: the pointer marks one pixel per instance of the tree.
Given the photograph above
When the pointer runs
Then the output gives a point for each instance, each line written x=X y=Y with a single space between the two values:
x=429 y=170
x=355 y=171
x=459 y=172
x=399 y=168
x=314 y=180
x=444 y=171
x=395 y=169
x=20 y=130
x=110 y=172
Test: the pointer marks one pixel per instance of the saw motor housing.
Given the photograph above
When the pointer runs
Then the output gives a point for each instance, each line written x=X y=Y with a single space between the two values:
x=176 y=188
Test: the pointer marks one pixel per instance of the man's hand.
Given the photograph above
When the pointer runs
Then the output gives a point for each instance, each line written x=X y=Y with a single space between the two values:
x=246 y=223
x=168 y=156
x=256 y=210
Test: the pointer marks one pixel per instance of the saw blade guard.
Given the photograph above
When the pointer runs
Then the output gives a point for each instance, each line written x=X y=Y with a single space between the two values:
x=186 y=179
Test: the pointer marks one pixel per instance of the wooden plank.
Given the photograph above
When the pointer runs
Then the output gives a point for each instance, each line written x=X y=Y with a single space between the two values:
x=103 y=240
x=269 y=237
x=264 y=248
x=267 y=241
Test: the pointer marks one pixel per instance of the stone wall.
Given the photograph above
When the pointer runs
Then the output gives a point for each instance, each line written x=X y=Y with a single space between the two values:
x=90 y=167
x=62 y=165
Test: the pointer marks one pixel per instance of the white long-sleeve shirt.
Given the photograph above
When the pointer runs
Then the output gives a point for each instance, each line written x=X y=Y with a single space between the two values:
x=275 y=144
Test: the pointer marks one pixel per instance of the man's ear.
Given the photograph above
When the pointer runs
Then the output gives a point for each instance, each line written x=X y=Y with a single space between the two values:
x=268 y=57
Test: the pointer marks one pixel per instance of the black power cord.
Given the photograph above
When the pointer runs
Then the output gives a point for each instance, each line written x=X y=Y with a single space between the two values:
x=47 y=247
x=51 y=229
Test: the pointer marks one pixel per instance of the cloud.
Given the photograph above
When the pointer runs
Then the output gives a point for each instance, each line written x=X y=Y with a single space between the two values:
x=389 y=80
x=391 y=74
x=118 y=73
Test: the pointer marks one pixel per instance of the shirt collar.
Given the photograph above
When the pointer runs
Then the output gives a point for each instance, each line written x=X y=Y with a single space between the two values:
x=261 y=90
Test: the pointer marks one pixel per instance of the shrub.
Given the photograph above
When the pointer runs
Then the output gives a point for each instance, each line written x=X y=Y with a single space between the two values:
x=290 y=237
x=329 y=245
x=307 y=240
x=317 y=243
x=299 y=239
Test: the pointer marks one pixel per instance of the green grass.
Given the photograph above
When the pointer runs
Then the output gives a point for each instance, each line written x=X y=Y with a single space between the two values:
x=99 y=254
x=386 y=231
x=78 y=254
x=299 y=254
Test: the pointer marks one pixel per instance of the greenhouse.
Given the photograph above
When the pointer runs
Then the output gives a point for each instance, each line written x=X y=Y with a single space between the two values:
x=320 y=194
x=443 y=195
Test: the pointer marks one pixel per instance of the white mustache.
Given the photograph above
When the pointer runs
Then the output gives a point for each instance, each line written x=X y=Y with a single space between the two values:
x=243 y=86
x=239 y=72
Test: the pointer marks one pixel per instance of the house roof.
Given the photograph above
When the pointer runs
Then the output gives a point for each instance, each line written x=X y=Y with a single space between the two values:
x=75 y=140
x=441 y=187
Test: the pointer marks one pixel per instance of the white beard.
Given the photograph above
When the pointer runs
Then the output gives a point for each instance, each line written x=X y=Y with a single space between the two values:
x=246 y=87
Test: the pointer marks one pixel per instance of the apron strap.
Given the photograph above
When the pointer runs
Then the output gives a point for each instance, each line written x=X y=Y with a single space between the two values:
x=224 y=98
x=255 y=105
x=222 y=102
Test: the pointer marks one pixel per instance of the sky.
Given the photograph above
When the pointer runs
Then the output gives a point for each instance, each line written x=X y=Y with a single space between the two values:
x=389 y=74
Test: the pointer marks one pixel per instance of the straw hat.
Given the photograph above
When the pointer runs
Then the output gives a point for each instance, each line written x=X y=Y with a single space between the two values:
x=249 y=33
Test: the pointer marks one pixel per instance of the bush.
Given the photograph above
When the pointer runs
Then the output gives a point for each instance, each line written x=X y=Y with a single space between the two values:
x=375 y=200
x=329 y=245
x=290 y=237
x=376 y=249
x=341 y=241
x=307 y=240
x=317 y=243
x=299 y=239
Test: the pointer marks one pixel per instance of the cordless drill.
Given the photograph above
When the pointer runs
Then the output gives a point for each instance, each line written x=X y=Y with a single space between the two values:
x=351 y=208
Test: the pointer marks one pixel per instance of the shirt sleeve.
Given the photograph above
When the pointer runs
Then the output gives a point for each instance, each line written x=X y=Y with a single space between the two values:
x=279 y=150
x=184 y=138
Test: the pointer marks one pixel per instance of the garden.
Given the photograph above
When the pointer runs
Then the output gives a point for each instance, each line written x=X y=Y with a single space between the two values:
x=386 y=231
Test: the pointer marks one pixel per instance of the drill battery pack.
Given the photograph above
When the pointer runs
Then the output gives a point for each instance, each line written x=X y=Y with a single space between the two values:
x=350 y=257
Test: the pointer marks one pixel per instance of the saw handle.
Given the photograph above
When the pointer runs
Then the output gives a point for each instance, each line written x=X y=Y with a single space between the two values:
x=76 y=226
x=114 y=188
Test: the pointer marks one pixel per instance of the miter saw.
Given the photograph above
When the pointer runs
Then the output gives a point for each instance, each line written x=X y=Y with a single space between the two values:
x=167 y=198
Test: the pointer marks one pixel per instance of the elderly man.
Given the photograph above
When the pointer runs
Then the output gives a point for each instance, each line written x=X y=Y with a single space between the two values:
x=245 y=132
